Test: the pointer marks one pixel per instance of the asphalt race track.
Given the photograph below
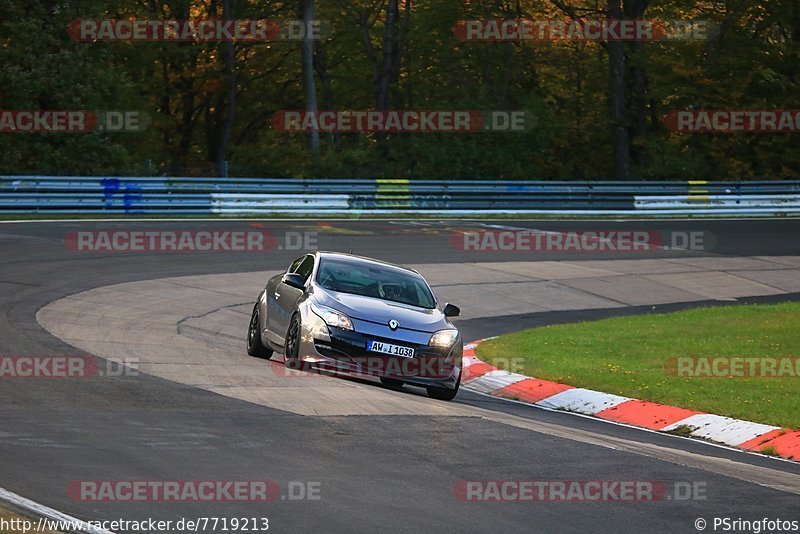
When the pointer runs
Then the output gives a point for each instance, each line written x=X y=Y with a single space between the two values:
x=383 y=460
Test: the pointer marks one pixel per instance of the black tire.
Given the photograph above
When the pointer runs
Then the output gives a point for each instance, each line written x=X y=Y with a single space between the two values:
x=254 y=345
x=291 y=347
x=444 y=394
x=391 y=382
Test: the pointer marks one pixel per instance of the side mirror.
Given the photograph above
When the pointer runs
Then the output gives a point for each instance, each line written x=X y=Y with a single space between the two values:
x=451 y=310
x=293 y=280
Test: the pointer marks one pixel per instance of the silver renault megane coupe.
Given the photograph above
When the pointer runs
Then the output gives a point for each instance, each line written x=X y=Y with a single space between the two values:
x=345 y=313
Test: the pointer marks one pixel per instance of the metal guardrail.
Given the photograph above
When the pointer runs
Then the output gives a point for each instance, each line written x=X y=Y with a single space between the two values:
x=259 y=196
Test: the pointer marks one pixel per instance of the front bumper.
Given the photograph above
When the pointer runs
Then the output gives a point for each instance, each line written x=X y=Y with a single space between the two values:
x=337 y=350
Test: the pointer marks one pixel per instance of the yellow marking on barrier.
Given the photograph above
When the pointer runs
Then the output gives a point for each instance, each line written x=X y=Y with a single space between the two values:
x=393 y=192
x=697 y=198
x=391 y=185
x=698 y=182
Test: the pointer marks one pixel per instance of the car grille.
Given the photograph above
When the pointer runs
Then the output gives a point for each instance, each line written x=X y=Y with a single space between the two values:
x=351 y=348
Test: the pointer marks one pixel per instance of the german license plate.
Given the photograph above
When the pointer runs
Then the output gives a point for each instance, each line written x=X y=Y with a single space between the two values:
x=388 y=348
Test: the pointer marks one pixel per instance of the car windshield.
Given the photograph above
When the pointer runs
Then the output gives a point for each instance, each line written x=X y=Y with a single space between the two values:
x=373 y=280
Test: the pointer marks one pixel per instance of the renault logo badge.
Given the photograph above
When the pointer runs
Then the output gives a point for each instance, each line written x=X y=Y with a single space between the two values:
x=393 y=324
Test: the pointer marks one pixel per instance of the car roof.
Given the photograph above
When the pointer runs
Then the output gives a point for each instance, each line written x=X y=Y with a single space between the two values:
x=364 y=259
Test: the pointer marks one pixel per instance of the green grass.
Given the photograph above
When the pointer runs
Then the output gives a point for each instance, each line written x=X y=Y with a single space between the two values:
x=627 y=356
x=769 y=450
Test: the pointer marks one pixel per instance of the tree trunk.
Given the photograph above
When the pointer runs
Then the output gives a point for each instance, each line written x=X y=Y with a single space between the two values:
x=387 y=65
x=230 y=116
x=309 y=83
x=618 y=99
x=637 y=73
x=321 y=69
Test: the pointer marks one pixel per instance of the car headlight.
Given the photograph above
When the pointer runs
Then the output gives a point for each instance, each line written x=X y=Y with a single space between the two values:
x=332 y=317
x=444 y=338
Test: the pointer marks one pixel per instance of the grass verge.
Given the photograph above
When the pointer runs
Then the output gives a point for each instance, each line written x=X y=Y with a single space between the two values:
x=630 y=356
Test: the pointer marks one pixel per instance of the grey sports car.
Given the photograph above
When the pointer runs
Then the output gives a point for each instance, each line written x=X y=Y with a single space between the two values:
x=345 y=313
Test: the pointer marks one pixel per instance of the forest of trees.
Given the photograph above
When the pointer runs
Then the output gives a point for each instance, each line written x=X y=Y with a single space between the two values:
x=599 y=106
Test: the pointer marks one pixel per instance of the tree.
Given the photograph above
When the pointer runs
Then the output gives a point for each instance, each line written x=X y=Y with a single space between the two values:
x=308 y=73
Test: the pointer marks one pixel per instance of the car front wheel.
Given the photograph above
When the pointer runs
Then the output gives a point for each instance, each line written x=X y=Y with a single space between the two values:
x=291 y=352
x=444 y=393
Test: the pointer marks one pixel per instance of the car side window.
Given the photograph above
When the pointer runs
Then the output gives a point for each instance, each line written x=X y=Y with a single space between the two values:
x=306 y=267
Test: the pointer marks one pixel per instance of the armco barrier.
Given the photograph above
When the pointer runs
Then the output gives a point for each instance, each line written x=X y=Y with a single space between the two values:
x=302 y=197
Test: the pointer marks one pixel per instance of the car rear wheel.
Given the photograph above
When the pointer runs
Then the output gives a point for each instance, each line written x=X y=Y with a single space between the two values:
x=444 y=393
x=291 y=352
x=391 y=382
x=254 y=345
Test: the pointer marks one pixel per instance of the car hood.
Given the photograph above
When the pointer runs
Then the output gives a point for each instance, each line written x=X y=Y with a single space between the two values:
x=382 y=311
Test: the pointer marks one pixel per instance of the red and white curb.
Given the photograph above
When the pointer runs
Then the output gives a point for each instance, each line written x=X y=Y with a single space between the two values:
x=484 y=378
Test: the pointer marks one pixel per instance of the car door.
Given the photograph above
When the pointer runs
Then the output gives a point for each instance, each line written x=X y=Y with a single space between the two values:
x=285 y=297
x=272 y=324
